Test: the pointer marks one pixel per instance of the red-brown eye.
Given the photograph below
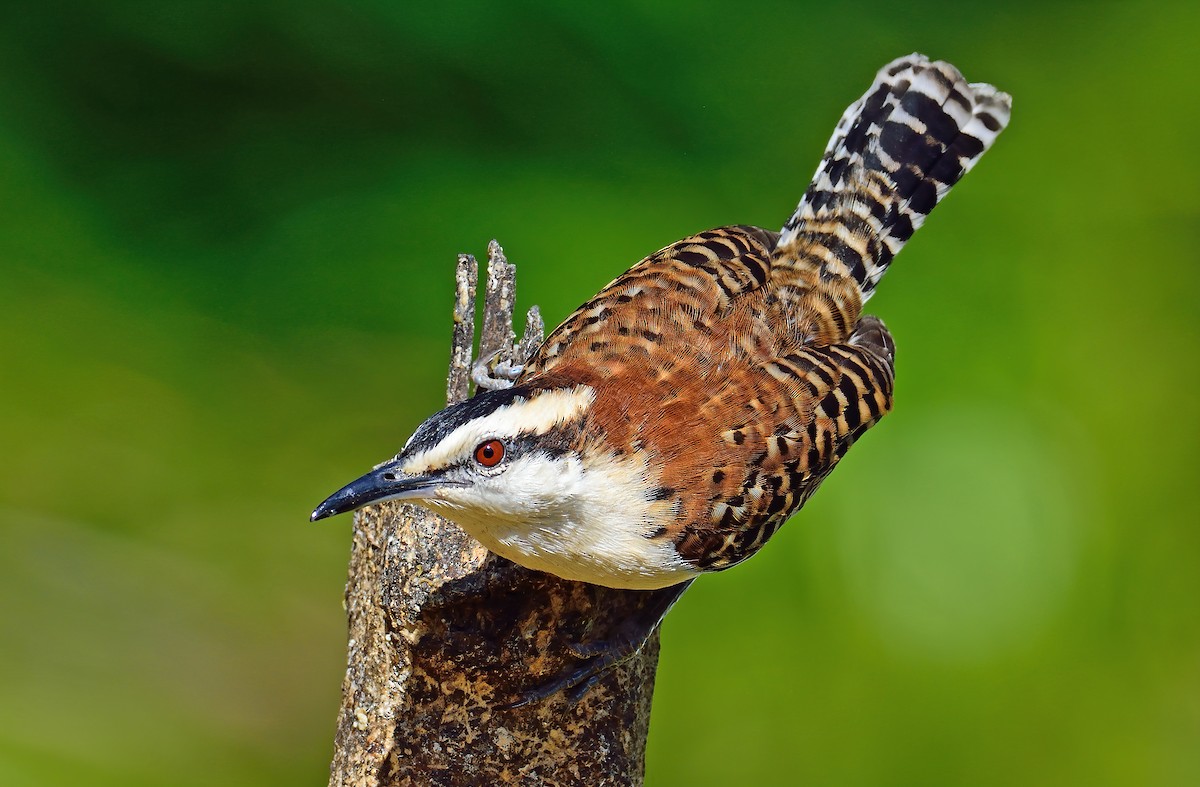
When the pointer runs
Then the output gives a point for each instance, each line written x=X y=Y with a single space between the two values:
x=490 y=453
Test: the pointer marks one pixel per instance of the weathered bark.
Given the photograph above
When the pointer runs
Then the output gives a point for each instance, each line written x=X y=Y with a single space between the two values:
x=441 y=632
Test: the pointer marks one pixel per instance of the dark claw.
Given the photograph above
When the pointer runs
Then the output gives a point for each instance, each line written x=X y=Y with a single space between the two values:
x=577 y=681
x=585 y=675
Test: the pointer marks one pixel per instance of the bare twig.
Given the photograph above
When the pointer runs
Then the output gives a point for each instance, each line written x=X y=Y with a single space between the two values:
x=496 y=338
x=466 y=278
x=535 y=334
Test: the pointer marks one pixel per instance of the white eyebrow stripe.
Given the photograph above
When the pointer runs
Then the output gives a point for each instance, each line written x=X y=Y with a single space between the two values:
x=537 y=415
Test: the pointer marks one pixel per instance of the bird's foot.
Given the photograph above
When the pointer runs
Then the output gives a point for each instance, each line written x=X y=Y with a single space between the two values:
x=492 y=375
x=600 y=656
x=597 y=657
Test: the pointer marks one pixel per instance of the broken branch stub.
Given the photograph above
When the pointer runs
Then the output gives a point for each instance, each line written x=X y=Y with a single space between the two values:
x=466 y=279
x=499 y=300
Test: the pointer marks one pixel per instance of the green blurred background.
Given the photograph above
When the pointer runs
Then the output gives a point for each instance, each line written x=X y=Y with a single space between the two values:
x=227 y=240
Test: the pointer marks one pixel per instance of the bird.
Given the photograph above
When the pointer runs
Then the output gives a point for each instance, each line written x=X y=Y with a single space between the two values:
x=671 y=424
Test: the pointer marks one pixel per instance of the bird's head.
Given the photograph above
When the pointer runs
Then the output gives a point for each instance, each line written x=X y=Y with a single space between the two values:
x=529 y=473
x=500 y=456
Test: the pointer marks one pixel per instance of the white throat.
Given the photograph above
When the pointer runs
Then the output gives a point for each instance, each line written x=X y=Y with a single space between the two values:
x=589 y=522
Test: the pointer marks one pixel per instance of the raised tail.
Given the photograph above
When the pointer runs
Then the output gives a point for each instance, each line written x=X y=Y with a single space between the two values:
x=893 y=156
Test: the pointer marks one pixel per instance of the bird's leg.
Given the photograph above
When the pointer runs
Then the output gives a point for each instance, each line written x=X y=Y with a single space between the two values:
x=599 y=656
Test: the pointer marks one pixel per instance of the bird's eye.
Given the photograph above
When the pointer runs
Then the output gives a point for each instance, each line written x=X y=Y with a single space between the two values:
x=490 y=453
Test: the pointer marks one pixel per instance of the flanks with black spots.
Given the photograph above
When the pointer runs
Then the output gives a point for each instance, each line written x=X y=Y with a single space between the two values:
x=671 y=425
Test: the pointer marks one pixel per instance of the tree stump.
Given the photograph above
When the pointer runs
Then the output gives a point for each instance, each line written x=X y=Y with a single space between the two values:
x=442 y=632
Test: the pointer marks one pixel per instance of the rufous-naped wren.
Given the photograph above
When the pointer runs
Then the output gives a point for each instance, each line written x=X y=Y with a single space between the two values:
x=671 y=424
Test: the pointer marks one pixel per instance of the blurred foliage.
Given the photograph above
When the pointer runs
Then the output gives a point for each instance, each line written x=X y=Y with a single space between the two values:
x=227 y=247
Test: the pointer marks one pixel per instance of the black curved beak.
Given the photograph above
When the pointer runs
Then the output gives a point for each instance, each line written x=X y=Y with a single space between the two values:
x=385 y=482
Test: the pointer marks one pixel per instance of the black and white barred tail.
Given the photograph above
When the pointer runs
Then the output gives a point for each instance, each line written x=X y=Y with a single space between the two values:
x=893 y=156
